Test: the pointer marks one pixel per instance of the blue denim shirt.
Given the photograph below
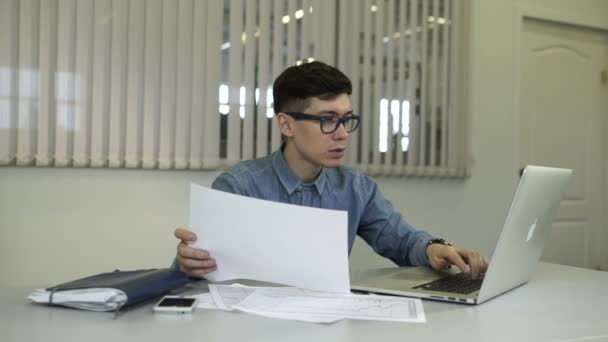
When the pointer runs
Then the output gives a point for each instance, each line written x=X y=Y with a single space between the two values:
x=370 y=215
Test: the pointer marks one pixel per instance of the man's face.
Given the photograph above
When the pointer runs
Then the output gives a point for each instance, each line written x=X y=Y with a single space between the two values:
x=311 y=144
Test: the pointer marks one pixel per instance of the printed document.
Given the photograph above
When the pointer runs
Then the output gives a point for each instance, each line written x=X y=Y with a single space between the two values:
x=205 y=301
x=314 y=306
x=270 y=241
x=227 y=296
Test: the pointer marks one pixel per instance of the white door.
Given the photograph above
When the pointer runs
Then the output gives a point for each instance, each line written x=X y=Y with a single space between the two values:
x=564 y=106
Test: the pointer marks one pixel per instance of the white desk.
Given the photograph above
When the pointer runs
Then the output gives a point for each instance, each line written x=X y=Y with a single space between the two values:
x=560 y=303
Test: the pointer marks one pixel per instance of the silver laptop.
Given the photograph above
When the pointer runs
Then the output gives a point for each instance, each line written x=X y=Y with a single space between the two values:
x=515 y=257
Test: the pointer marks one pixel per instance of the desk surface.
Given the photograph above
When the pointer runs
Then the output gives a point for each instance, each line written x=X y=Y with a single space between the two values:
x=560 y=303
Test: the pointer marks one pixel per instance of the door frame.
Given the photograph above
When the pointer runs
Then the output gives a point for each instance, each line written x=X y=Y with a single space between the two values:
x=525 y=11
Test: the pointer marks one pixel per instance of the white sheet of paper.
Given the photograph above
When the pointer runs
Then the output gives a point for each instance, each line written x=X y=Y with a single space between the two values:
x=223 y=297
x=226 y=297
x=205 y=301
x=287 y=302
x=270 y=241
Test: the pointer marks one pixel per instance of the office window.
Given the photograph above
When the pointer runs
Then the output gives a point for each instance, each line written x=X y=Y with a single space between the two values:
x=188 y=84
x=402 y=56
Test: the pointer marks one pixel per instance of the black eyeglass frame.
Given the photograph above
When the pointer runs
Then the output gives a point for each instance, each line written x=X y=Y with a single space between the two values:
x=324 y=118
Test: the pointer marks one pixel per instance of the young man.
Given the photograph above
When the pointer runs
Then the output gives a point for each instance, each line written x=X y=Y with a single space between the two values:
x=314 y=114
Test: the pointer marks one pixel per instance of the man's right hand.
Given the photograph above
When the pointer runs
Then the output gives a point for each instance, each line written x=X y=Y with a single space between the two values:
x=195 y=262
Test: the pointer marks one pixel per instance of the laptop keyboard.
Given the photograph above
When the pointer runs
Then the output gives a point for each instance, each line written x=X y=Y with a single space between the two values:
x=456 y=283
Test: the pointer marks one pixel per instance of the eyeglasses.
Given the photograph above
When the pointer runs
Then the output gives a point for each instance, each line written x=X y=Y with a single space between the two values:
x=330 y=123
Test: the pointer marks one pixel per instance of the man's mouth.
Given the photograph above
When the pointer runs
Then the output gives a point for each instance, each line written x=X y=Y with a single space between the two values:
x=336 y=153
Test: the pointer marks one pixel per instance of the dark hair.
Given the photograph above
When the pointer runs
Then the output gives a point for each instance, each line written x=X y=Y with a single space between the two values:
x=297 y=85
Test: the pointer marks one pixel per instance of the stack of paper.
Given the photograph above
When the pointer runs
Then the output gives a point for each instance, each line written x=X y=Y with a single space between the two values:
x=254 y=221
x=95 y=299
x=311 y=306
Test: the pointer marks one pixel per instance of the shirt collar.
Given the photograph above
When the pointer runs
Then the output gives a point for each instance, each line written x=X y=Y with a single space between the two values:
x=288 y=179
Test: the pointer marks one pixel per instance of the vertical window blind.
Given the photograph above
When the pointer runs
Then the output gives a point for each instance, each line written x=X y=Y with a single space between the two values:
x=187 y=84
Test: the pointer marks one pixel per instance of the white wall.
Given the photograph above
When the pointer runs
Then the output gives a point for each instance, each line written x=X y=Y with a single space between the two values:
x=58 y=224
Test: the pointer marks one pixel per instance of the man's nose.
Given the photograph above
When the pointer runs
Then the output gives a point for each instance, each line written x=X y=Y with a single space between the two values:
x=341 y=132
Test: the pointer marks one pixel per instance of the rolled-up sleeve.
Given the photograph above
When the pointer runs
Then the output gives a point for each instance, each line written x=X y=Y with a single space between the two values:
x=388 y=233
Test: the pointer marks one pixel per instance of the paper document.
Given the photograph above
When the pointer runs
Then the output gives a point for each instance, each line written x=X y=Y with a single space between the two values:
x=205 y=301
x=314 y=306
x=278 y=302
x=269 y=241
x=227 y=296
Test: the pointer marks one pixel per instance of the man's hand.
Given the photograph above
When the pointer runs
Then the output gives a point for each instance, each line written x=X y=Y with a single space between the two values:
x=195 y=262
x=469 y=262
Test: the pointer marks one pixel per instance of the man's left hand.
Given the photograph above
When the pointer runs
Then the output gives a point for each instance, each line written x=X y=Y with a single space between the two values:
x=470 y=262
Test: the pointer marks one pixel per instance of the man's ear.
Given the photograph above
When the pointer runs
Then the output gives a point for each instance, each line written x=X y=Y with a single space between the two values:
x=285 y=123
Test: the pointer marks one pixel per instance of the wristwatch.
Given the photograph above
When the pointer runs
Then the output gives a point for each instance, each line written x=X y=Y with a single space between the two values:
x=439 y=241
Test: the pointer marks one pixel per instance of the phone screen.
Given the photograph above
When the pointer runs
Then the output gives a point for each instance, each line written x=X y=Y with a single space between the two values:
x=177 y=302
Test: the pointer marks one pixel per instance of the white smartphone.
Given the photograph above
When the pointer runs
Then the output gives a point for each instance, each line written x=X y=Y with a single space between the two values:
x=176 y=304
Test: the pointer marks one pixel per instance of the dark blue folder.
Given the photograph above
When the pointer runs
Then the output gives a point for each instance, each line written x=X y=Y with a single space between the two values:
x=139 y=286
